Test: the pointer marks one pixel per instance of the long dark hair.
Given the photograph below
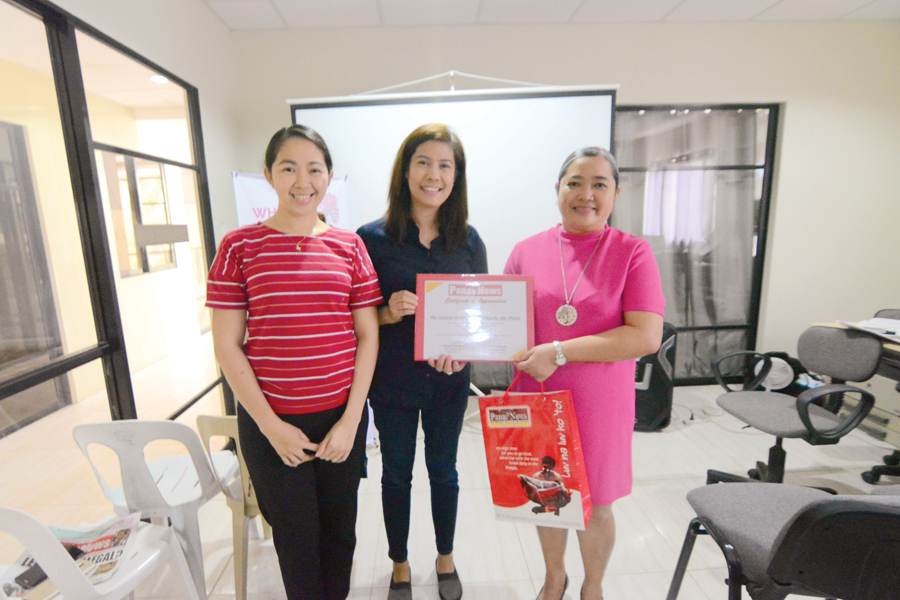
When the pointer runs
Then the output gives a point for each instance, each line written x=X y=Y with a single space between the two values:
x=295 y=131
x=453 y=213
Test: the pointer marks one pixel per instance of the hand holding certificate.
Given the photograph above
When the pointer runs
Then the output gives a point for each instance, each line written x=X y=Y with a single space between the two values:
x=474 y=317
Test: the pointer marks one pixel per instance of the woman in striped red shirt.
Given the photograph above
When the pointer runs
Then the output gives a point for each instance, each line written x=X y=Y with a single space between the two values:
x=305 y=296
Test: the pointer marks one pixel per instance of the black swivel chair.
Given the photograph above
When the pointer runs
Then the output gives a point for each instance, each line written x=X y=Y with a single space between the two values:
x=488 y=376
x=891 y=464
x=841 y=354
x=783 y=539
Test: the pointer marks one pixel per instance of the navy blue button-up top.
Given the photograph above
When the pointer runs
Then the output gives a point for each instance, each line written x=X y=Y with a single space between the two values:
x=399 y=380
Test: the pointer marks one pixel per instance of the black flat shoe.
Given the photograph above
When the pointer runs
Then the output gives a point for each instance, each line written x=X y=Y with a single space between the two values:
x=565 y=587
x=449 y=586
x=399 y=590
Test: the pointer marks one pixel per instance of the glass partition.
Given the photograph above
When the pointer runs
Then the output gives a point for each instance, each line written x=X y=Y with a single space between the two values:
x=131 y=106
x=696 y=184
x=103 y=219
x=137 y=193
x=149 y=186
x=45 y=305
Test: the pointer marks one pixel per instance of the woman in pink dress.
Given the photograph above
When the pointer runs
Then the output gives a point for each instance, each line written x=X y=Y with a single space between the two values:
x=598 y=306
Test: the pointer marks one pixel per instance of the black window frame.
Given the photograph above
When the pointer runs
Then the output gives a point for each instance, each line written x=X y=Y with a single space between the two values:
x=61 y=28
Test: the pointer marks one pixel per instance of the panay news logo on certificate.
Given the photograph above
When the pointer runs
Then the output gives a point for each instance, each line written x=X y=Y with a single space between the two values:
x=481 y=290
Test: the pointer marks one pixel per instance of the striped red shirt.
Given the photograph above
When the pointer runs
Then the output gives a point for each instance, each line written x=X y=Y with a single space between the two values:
x=298 y=291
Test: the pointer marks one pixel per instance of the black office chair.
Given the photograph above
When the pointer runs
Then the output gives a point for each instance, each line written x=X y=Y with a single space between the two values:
x=783 y=539
x=891 y=467
x=841 y=354
x=488 y=376
x=891 y=464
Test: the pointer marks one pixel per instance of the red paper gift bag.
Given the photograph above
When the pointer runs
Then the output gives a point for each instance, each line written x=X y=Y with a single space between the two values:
x=534 y=458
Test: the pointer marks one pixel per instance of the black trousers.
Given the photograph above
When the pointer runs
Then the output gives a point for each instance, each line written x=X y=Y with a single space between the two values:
x=397 y=428
x=311 y=507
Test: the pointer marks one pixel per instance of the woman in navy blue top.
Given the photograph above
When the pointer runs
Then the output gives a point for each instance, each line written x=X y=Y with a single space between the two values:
x=424 y=231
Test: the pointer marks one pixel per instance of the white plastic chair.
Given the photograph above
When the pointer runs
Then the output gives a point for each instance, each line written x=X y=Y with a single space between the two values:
x=152 y=547
x=172 y=487
x=239 y=495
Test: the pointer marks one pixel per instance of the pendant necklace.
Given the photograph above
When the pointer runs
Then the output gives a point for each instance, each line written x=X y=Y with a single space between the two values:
x=311 y=234
x=566 y=314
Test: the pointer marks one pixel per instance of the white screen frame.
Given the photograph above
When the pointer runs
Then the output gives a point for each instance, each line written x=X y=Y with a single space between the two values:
x=515 y=141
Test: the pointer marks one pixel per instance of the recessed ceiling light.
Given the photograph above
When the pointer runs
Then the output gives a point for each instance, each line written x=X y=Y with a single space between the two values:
x=159 y=79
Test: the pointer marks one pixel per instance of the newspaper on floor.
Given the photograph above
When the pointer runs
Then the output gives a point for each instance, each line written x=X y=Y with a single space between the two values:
x=104 y=545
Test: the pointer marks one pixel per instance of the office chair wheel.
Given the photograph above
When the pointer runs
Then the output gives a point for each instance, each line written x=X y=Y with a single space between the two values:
x=892 y=459
x=871 y=477
x=755 y=474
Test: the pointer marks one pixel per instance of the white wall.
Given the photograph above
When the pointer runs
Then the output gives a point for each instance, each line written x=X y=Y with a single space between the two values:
x=835 y=234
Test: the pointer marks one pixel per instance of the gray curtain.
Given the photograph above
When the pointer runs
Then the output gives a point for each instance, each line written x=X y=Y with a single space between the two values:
x=691 y=185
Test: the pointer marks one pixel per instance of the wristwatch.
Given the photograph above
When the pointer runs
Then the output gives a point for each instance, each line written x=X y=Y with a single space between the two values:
x=560 y=357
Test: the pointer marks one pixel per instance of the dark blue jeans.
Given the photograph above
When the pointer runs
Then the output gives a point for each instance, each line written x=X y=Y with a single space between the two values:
x=397 y=427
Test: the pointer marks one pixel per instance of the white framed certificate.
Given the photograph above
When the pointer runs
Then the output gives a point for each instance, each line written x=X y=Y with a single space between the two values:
x=474 y=318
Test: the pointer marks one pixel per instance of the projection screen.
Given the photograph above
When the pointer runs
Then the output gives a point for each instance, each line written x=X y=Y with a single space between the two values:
x=515 y=141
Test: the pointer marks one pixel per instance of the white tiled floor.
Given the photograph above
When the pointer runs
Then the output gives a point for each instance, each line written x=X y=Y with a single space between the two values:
x=44 y=474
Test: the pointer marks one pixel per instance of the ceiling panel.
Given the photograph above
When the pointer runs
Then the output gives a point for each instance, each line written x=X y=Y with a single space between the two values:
x=247 y=14
x=429 y=12
x=616 y=11
x=880 y=9
x=527 y=11
x=719 y=10
x=277 y=14
x=329 y=13
x=810 y=10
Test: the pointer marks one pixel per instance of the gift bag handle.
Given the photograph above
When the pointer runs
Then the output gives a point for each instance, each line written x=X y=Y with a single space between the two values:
x=513 y=384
